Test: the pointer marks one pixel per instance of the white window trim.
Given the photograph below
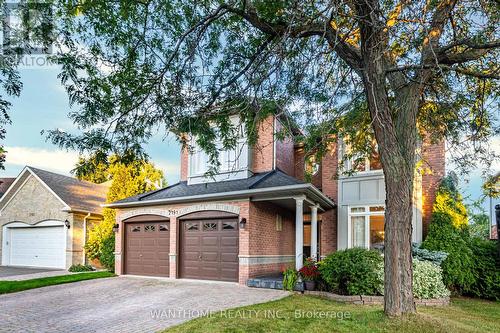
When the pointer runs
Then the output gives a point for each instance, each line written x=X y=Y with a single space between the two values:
x=367 y=215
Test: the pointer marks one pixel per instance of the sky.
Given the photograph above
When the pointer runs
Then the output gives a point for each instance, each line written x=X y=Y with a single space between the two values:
x=43 y=105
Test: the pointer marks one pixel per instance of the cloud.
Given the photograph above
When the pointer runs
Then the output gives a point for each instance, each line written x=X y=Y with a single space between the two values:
x=59 y=161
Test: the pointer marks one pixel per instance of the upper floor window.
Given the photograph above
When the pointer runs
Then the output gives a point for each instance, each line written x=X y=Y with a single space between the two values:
x=311 y=166
x=360 y=163
x=230 y=160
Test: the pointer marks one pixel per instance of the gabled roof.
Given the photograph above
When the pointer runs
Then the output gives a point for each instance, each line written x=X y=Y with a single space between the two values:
x=75 y=194
x=5 y=184
x=266 y=182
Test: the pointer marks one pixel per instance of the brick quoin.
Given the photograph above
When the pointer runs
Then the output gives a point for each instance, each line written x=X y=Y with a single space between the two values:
x=433 y=156
x=329 y=166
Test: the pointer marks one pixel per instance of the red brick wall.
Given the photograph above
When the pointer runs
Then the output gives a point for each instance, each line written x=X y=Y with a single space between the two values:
x=299 y=166
x=285 y=153
x=433 y=156
x=330 y=188
x=264 y=239
x=263 y=151
x=299 y=163
x=184 y=164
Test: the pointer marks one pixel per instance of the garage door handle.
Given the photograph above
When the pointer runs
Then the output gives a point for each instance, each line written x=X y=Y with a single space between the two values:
x=140 y=255
x=199 y=257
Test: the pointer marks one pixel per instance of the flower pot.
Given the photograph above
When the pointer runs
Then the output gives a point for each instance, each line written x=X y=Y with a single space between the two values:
x=310 y=285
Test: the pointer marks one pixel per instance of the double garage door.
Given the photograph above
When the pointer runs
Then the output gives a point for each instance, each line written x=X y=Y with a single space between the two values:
x=37 y=246
x=208 y=247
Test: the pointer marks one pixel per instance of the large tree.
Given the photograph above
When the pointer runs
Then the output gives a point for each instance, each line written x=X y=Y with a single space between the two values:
x=397 y=70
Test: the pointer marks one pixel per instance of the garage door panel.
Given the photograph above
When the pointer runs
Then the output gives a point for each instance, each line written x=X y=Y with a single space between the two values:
x=38 y=246
x=217 y=242
x=148 y=248
x=210 y=256
x=229 y=241
x=228 y=257
x=210 y=241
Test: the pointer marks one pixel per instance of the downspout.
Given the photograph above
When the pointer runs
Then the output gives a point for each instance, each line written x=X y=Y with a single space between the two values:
x=85 y=238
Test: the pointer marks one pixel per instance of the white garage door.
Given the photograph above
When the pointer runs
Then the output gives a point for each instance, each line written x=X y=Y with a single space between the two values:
x=38 y=246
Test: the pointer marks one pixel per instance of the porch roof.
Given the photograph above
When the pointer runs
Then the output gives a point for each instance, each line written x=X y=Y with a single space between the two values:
x=272 y=183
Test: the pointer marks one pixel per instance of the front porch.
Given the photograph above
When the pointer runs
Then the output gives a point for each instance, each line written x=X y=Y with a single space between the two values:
x=306 y=211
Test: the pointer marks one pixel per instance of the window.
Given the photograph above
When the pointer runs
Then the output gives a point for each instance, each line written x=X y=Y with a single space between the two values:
x=366 y=227
x=229 y=226
x=231 y=160
x=136 y=229
x=311 y=166
x=363 y=164
x=149 y=228
x=192 y=226
x=209 y=226
x=163 y=227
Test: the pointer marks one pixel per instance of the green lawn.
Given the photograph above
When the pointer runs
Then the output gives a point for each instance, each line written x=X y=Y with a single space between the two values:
x=463 y=315
x=14 y=286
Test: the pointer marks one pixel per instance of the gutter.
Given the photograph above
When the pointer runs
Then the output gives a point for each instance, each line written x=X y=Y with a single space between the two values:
x=248 y=192
x=85 y=238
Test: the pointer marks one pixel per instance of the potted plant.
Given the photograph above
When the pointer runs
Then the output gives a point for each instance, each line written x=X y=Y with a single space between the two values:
x=309 y=274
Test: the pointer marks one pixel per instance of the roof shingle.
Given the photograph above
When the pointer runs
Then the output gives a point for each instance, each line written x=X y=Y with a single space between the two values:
x=77 y=194
x=182 y=189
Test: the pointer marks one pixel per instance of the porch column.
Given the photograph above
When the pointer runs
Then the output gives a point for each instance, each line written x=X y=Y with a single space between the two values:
x=314 y=232
x=299 y=233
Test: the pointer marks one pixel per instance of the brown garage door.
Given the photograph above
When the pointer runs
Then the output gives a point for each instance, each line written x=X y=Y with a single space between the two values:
x=147 y=246
x=209 y=249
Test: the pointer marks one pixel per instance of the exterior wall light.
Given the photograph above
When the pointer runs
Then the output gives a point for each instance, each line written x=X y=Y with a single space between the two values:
x=67 y=224
x=243 y=222
x=116 y=227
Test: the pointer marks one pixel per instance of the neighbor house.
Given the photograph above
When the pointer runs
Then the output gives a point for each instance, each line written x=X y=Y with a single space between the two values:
x=44 y=217
x=258 y=215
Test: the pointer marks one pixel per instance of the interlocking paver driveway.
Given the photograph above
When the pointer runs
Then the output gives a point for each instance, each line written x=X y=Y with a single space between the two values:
x=122 y=304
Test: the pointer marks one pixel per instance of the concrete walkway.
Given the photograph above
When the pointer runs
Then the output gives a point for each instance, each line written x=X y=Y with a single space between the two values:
x=12 y=273
x=121 y=304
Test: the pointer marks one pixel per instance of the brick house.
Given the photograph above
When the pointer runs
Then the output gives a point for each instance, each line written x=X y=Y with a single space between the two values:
x=258 y=215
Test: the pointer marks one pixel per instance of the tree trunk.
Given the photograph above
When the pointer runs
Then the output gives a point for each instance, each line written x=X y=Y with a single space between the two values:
x=397 y=252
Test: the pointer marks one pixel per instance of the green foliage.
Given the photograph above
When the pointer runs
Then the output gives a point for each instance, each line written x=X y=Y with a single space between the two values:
x=448 y=232
x=352 y=272
x=458 y=273
x=127 y=180
x=486 y=270
x=480 y=226
x=449 y=201
x=107 y=255
x=80 y=268
x=472 y=266
x=290 y=277
x=436 y=257
x=428 y=280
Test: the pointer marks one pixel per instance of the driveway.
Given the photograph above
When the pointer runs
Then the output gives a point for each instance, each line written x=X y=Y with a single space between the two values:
x=22 y=273
x=121 y=304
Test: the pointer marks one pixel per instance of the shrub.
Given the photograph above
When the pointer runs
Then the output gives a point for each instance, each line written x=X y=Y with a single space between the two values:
x=107 y=254
x=458 y=267
x=352 y=272
x=310 y=270
x=80 y=268
x=486 y=270
x=436 y=257
x=290 y=277
x=428 y=280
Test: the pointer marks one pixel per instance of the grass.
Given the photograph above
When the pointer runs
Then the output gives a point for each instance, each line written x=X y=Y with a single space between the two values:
x=15 y=286
x=463 y=315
